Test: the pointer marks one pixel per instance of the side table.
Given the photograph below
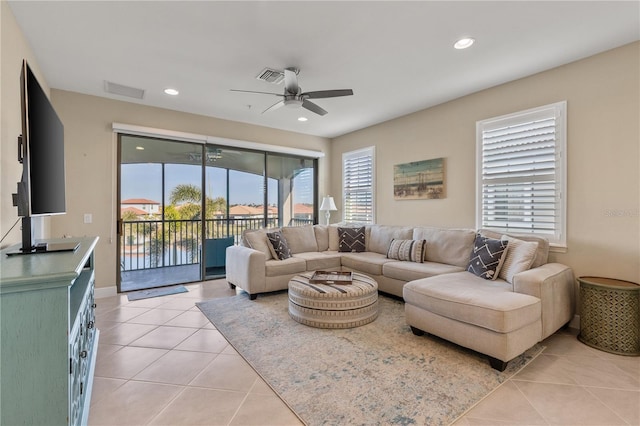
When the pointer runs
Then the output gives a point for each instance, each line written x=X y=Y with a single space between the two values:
x=610 y=315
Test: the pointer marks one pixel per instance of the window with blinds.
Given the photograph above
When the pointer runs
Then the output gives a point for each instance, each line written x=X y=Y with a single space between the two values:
x=358 y=186
x=521 y=169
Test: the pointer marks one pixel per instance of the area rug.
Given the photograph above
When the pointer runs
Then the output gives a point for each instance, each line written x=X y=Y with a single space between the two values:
x=379 y=373
x=155 y=292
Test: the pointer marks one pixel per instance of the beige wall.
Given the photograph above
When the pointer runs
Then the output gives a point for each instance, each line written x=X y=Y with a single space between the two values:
x=14 y=48
x=91 y=164
x=603 y=116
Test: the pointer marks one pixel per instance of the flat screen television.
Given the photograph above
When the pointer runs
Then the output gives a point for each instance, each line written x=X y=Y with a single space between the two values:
x=41 y=152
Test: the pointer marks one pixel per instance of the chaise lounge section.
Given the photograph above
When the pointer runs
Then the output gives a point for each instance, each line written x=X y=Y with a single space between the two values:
x=527 y=301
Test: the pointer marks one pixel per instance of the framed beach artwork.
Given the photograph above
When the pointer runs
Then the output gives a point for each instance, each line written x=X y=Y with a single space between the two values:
x=419 y=180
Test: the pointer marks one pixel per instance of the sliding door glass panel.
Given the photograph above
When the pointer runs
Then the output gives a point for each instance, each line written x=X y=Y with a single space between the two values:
x=160 y=221
x=217 y=227
x=294 y=180
x=245 y=186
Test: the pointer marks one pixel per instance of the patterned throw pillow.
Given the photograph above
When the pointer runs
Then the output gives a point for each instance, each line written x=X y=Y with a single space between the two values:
x=278 y=245
x=411 y=250
x=351 y=239
x=487 y=257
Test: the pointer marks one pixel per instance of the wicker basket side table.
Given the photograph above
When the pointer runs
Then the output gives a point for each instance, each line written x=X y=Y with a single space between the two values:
x=610 y=315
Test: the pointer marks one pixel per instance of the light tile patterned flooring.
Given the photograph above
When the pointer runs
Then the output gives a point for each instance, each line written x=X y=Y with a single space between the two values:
x=161 y=362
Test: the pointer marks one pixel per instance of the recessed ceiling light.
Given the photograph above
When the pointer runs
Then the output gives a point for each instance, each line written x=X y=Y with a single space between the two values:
x=463 y=43
x=302 y=118
x=172 y=92
x=140 y=148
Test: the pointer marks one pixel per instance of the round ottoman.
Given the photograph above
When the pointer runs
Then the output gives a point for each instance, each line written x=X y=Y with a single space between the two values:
x=333 y=305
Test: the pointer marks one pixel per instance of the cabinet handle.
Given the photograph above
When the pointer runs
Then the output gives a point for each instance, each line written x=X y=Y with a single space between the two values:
x=90 y=324
x=83 y=354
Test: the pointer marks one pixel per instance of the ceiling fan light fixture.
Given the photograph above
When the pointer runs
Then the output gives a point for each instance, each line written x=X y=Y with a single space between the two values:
x=464 y=43
x=293 y=103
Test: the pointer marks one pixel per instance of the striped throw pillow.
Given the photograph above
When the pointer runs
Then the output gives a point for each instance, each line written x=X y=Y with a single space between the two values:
x=410 y=250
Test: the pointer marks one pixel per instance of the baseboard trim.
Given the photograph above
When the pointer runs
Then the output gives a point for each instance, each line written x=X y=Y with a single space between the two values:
x=101 y=292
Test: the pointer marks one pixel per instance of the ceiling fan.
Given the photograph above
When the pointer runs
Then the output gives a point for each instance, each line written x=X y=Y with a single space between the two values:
x=294 y=97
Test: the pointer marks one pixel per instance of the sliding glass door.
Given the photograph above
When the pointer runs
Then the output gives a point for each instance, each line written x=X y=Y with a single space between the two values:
x=182 y=204
x=159 y=215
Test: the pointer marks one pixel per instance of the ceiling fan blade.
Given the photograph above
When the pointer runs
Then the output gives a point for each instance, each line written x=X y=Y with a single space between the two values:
x=291 y=81
x=327 y=94
x=251 y=91
x=274 y=106
x=313 y=107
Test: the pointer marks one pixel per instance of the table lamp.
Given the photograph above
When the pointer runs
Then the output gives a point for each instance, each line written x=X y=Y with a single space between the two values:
x=328 y=205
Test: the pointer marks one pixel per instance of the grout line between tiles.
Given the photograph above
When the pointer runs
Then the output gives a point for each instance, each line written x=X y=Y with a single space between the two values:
x=499 y=386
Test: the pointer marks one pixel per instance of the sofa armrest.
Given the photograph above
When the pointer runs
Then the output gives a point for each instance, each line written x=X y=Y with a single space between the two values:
x=554 y=285
x=245 y=268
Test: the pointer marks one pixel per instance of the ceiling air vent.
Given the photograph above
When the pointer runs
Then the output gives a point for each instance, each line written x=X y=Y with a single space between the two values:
x=119 y=89
x=271 y=76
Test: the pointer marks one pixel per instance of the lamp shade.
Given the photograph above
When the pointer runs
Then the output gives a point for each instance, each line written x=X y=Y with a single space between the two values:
x=328 y=204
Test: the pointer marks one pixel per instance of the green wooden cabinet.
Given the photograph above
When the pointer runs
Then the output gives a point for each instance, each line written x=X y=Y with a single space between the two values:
x=48 y=339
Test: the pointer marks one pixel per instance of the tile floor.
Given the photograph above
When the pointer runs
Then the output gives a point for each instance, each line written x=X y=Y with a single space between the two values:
x=161 y=362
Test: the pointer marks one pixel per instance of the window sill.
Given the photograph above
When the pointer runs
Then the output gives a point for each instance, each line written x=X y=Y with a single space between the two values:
x=556 y=248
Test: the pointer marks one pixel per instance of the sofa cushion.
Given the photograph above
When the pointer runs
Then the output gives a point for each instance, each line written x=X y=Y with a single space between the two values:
x=257 y=240
x=292 y=265
x=278 y=245
x=465 y=297
x=542 y=254
x=487 y=257
x=300 y=238
x=351 y=240
x=410 y=250
x=381 y=236
x=367 y=262
x=322 y=237
x=334 y=238
x=409 y=271
x=317 y=261
x=520 y=255
x=451 y=246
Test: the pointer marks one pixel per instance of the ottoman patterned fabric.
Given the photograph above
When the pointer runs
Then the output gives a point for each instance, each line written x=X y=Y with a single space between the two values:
x=334 y=305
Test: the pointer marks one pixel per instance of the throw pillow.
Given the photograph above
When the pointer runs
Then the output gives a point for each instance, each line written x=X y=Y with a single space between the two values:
x=257 y=240
x=487 y=257
x=519 y=258
x=351 y=239
x=411 y=250
x=279 y=247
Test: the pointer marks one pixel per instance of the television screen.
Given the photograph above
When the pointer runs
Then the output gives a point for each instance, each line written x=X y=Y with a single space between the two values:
x=44 y=134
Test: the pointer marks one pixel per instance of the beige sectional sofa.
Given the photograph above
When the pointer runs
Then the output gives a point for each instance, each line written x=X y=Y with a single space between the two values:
x=501 y=318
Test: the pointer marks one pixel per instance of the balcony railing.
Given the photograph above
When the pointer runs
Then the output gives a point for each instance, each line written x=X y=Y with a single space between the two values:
x=148 y=244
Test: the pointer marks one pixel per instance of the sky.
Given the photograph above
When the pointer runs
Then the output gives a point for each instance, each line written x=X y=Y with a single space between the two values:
x=145 y=181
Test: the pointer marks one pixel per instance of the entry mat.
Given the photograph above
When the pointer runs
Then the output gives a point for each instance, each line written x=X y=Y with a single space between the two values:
x=155 y=292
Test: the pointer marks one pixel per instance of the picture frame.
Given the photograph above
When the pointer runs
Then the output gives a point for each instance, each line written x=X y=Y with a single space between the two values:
x=419 y=180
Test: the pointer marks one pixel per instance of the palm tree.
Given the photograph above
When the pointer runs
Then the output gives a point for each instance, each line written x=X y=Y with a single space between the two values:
x=184 y=208
x=189 y=197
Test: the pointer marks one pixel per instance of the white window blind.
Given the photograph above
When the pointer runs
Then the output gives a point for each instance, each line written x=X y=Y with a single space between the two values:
x=358 y=186
x=521 y=173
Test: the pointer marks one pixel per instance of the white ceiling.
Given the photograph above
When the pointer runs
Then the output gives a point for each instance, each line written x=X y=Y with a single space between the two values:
x=396 y=56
